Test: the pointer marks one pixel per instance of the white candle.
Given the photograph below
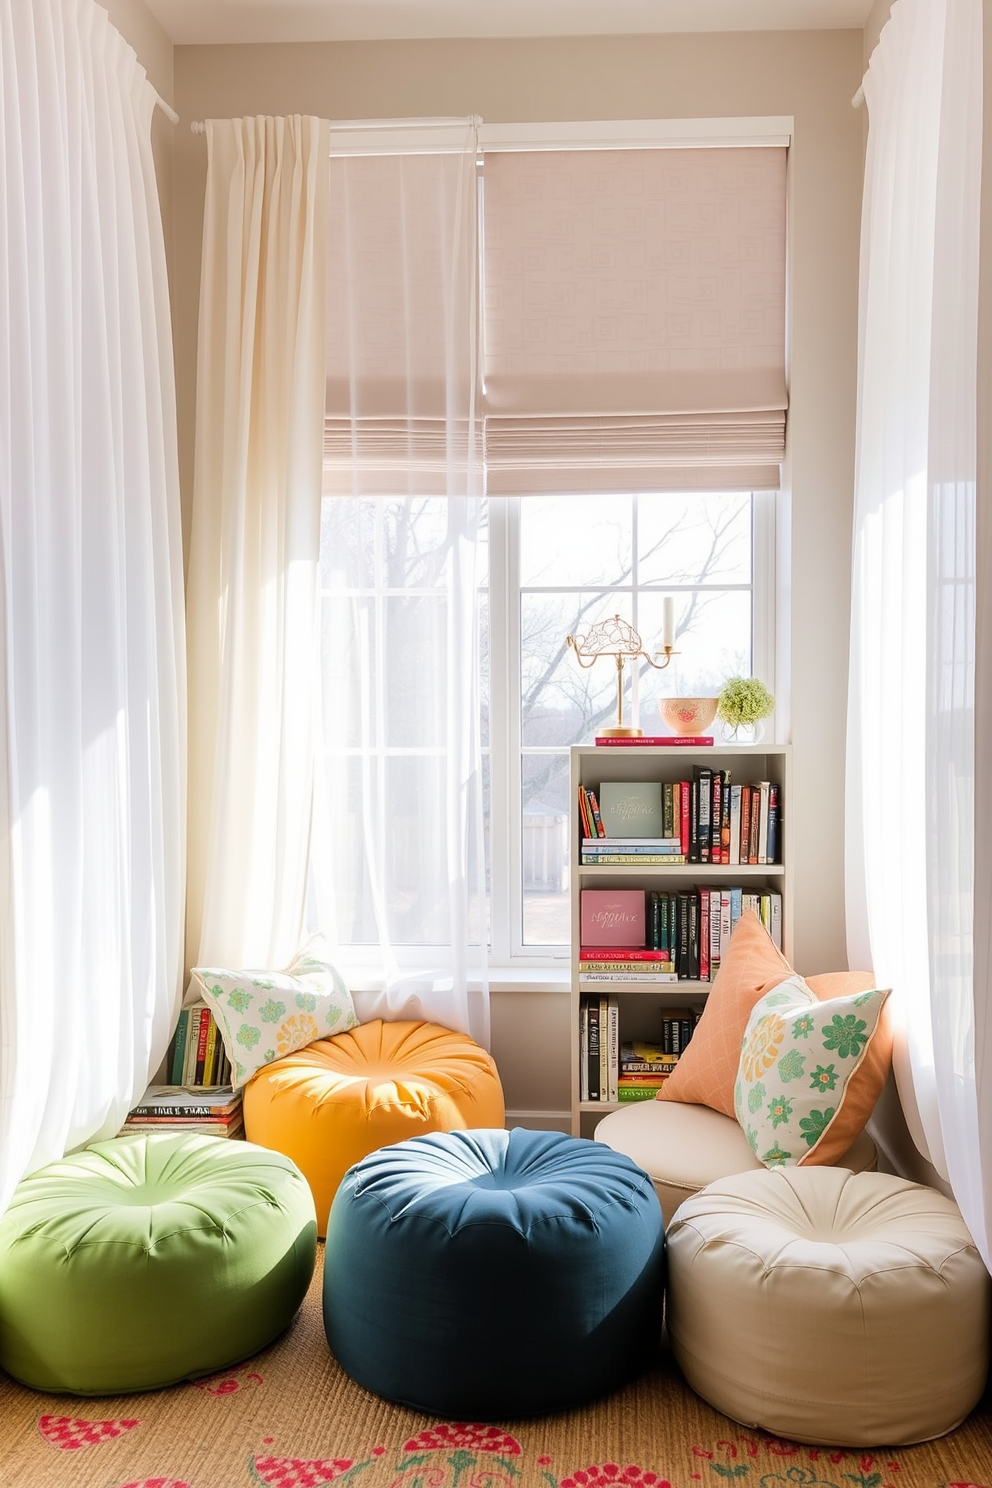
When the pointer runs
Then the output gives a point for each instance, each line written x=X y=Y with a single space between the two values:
x=668 y=622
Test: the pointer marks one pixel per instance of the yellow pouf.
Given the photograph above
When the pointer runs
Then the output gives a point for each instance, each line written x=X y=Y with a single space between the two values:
x=334 y=1102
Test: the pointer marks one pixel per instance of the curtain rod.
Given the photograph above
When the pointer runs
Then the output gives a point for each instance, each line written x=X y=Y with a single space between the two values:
x=348 y=125
x=166 y=108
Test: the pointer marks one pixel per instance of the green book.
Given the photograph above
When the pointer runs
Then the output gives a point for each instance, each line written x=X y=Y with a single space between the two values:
x=631 y=808
x=179 y=1049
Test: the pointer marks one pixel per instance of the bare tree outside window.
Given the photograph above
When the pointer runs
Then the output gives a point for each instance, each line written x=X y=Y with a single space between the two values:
x=576 y=560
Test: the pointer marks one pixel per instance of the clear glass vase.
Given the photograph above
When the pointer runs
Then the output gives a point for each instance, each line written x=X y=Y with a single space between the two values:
x=742 y=733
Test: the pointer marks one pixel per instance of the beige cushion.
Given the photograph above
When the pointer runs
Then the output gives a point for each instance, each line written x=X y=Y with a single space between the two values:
x=837 y=1308
x=684 y=1147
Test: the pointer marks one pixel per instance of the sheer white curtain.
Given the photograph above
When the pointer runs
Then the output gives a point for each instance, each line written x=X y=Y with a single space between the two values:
x=92 y=685
x=252 y=588
x=398 y=848
x=911 y=756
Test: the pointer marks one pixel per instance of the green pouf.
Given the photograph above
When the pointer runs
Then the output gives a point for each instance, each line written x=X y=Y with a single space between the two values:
x=150 y=1259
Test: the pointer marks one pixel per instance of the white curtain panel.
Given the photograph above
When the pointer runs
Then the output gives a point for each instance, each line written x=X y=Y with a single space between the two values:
x=398 y=849
x=911 y=768
x=252 y=587
x=92 y=683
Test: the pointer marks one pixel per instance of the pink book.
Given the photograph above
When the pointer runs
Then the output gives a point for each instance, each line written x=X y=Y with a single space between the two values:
x=612 y=917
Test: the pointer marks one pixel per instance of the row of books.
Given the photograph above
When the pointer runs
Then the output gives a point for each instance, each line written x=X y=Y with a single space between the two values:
x=629 y=1070
x=197 y=1056
x=163 y=1108
x=650 y=935
x=641 y=851
x=707 y=819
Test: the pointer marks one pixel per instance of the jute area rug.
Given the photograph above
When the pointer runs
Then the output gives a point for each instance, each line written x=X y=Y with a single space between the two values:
x=292 y=1419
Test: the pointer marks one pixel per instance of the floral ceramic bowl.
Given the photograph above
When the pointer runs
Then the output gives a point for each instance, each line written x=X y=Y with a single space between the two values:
x=688 y=715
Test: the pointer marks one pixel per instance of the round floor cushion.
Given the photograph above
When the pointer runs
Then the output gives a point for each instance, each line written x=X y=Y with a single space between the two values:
x=150 y=1259
x=837 y=1308
x=485 y=1274
x=685 y=1147
x=340 y=1098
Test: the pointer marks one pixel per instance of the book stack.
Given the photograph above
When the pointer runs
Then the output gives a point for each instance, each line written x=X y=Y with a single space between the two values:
x=644 y=1067
x=197 y=1056
x=620 y=964
x=163 y=1108
x=632 y=1070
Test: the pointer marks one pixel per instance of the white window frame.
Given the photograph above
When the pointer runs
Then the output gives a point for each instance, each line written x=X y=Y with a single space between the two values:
x=507 y=947
x=769 y=540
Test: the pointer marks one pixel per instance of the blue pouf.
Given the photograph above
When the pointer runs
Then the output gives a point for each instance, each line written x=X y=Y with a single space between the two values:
x=486 y=1274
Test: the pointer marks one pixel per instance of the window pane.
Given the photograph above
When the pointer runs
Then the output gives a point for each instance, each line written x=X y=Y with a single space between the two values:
x=347 y=543
x=713 y=641
x=570 y=541
x=544 y=848
x=695 y=539
x=561 y=701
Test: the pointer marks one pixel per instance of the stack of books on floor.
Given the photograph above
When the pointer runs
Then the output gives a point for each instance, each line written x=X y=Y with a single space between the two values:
x=196 y=1055
x=164 y=1108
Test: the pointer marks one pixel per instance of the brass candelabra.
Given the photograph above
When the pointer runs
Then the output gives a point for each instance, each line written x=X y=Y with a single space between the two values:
x=620 y=640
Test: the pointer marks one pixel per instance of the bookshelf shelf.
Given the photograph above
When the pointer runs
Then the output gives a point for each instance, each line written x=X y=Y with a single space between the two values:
x=642 y=1007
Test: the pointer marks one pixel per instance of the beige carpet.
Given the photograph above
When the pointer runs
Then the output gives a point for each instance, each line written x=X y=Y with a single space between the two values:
x=291 y=1418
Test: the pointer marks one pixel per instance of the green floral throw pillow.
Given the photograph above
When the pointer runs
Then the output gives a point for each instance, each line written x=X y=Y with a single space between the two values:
x=809 y=1072
x=262 y=1015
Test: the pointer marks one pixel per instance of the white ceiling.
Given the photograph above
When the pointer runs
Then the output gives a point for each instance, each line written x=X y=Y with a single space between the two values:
x=201 y=22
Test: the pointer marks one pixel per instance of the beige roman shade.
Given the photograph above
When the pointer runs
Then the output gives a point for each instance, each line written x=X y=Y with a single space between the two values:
x=634 y=319
x=401 y=355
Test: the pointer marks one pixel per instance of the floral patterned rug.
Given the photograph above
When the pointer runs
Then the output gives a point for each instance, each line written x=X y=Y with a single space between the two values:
x=290 y=1418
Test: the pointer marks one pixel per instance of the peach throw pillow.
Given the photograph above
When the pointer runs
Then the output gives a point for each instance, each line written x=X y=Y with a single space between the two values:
x=706 y=1073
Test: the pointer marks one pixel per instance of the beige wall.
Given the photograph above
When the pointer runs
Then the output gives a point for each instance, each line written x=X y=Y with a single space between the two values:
x=809 y=75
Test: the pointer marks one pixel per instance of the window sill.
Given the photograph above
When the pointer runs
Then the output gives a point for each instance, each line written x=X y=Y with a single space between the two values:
x=554 y=978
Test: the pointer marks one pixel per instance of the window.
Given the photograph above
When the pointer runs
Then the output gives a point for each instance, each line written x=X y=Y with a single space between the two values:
x=556 y=391
x=549 y=566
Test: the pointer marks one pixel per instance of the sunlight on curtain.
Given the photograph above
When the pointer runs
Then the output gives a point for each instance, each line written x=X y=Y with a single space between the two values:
x=910 y=784
x=92 y=682
x=398 y=825
x=252 y=586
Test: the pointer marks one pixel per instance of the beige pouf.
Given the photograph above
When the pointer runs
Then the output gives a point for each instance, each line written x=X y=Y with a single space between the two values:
x=685 y=1147
x=837 y=1308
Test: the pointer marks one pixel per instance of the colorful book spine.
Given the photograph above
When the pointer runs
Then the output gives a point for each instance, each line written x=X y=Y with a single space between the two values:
x=203 y=1033
x=192 y=1043
x=703 y=780
x=592 y=1015
x=585 y=815
x=631 y=859
x=613 y=1061
x=179 y=1049
x=646 y=978
x=584 y=1049
x=735 y=825
x=704 y=934
x=773 y=822
x=656 y=741
x=620 y=953
x=763 y=789
x=600 y=830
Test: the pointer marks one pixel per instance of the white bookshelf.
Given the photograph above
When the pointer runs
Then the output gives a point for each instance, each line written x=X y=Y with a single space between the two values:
x=641 y=1006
